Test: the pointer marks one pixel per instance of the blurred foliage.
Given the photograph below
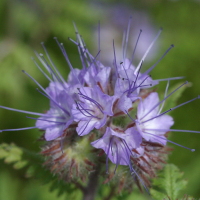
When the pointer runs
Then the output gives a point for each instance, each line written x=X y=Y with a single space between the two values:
x=31 y=163
x=26 y=23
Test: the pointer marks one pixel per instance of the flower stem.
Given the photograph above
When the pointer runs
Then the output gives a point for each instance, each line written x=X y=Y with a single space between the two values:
x=90 y=191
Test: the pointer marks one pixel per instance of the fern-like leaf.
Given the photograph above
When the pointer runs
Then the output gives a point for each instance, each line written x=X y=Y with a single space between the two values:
x=32 y=162
x=168 y=184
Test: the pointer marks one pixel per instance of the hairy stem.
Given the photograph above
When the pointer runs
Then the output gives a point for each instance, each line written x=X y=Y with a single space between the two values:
x=90 y=191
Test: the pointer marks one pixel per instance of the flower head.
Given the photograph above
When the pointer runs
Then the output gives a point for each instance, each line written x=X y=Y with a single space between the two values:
x=113 y=107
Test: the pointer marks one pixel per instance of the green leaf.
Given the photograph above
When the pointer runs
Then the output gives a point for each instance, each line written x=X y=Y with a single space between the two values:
x=158 y=195
x=169 y=183
x=32 y=162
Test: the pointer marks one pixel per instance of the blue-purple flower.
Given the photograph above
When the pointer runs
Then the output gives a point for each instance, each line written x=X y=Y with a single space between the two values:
x=92 y=110
x=91 y=102
x=151 y=119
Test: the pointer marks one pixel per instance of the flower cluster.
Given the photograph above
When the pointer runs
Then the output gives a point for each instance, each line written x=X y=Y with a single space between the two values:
x=114 y=108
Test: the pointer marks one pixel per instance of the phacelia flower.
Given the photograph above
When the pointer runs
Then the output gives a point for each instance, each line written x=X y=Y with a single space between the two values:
x=92 y=110
x=152 y=120
x=116 y=111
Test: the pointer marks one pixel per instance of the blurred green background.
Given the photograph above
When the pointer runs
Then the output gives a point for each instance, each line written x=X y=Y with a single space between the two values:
x=24 y=24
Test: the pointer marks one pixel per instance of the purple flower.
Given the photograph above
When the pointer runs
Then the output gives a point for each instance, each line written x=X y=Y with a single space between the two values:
x=58 y=118
x=95 y=76
x=151 y=119
x=92 y=110
x=130 y=80
x=118 y=145
x=79 y=74
x=104 y=98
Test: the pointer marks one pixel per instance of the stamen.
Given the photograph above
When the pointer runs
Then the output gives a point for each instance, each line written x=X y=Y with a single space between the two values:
x=132 y=170
x=54 y=102
x=76 y=43
x=137 y=74
x=127 y=36
x=23 y=111
x=85 y=126
x=164 y=97
x=123 y=42
x=150 y=85
x=85 y=111
x=169 y=79
x=169 y=141
x=172 y=109
x=81 y=56
x=117 y=158
x=45 y=120
x=72 y=69
x=86 y=50
x=94 y=61
x=43 y=63
x=126 y=76
x=80 y=41
x=51 y=69
x=163 y=100
x=135 y=48
x=108 y=153
x=55 y=68
x=17 y=129
x=115 y=60
x=41 y=70
x=172 y=130
x=83 y=51
x=130 y=116
x=35 y=81
x=149 y=48
x=151 y=68
x=141 y=83
x=124 y=142
x=66 y=57
x=91 y=100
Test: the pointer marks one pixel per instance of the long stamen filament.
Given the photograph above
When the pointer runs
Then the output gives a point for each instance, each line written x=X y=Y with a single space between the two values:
x=163 y=138
x=163 y=100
